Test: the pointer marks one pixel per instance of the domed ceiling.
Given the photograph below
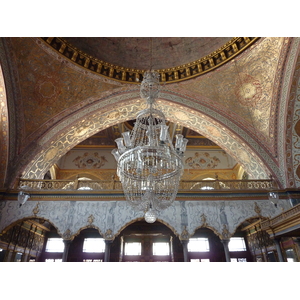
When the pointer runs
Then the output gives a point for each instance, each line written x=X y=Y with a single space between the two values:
x=64 y=81
x=136 y=52
x=126 y=59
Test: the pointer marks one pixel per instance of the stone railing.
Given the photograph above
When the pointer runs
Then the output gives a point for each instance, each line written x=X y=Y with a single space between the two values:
x=290 y=213
x=185 y=185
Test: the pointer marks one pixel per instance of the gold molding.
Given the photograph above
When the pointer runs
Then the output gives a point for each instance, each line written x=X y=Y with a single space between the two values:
x=183 y=72
x=282 y=222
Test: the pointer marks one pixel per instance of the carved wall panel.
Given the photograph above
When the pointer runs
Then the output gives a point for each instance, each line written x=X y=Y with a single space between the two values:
x=110 y=217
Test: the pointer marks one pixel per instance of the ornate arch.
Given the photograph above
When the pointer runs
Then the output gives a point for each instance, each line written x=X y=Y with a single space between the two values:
x=120 y=108
x=25 y=219
x=86 y=227
x=207 y=227
x=141 y=219
x=257 y=217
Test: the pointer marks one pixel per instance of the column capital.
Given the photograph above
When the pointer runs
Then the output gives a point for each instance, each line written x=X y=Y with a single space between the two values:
x=225 y=241
x=184 y=241
x=109 y=241
x=67 y=241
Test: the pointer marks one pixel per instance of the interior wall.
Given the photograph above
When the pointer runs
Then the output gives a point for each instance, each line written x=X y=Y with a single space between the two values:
x=110 y=217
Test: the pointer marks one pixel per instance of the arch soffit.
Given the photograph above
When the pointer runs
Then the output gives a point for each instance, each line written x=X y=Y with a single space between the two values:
x=253 y=218
x=98 y=116
x=86 y=227
x=141 y=219
x=206 y=226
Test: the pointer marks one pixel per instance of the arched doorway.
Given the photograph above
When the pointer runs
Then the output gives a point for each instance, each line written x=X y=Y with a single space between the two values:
x=24 y=241
x=144 y=242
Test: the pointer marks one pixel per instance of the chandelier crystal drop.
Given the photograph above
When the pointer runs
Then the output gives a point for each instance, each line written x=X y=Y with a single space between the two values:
x=148 y=165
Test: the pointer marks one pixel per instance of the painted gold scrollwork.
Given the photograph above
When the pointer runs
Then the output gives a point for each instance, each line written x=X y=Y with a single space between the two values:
x=67 y=235
x=257 y=209
x=225 y=232
x=36 y=209
x=185 y=234
x=203 y=220
x=108 y=234
x=91 y=219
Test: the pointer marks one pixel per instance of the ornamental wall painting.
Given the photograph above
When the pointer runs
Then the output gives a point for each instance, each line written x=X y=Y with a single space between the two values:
x=84 y=159
x=88 y=161
x=202 y=161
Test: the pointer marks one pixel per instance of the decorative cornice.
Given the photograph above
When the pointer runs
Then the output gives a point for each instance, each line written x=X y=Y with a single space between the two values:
x=203 y=65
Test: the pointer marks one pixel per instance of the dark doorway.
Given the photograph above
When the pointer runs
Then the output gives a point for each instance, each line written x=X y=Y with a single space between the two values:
x=143 y=242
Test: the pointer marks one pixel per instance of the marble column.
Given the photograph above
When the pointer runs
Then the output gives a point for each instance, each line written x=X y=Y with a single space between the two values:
x=226 y=249
x=107 y=250
x=66 y=250
x=278 y=248
x=185 y=250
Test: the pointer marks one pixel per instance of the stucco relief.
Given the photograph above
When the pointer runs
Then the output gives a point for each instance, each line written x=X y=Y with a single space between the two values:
x=113 y=216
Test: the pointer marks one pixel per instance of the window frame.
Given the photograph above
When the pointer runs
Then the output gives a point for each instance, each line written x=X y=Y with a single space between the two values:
x=241 y=249
x=84 y=250
x=54 y=249
x=204 y=239
x=130 y=243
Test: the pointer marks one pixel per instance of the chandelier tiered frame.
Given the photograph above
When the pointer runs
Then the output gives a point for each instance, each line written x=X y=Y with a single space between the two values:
x=149 y=167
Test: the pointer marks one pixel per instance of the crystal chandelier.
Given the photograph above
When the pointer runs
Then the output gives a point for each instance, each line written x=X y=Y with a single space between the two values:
x=148 y=165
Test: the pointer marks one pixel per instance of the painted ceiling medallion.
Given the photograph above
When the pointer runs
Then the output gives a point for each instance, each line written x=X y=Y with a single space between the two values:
x=130 y=75
x=248 y=90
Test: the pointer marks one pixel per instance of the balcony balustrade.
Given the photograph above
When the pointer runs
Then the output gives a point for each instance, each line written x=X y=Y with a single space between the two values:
x=115 y=185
